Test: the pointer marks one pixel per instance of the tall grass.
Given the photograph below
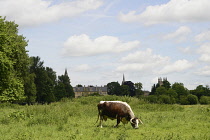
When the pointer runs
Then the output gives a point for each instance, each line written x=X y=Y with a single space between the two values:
x=75 y=119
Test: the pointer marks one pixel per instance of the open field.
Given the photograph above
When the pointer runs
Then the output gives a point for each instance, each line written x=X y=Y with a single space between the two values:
x=75 y=119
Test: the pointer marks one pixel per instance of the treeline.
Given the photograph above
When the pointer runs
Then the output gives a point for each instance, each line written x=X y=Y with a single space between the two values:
x=127 y=88
x=164 y=93
x=177 y=93
x=24 y=78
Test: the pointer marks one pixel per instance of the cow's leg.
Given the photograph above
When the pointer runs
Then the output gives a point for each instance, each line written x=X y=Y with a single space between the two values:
x=118 y=121
x=101 y=120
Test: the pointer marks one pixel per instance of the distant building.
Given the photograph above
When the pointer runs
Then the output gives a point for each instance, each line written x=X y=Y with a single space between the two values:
x=160 y=80
x=85 y=91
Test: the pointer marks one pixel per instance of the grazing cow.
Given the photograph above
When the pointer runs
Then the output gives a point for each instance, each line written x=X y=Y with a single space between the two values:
x=117 y=110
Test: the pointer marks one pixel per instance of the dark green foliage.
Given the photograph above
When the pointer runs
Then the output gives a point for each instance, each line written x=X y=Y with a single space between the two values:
x=183 y=100
x=205 y=100
x=192 y=99
x=201 y=91
x=152 y=98
x=125 y=90
x=132 y=90
x=138 y=87
x=166 y=84
x=63 y=89
x=164 y=99
x=189 y=100
x=153 y=90
x=30 y=89
x=161 y=91
x=44 y=81
x=180 y=89
x=113 y=88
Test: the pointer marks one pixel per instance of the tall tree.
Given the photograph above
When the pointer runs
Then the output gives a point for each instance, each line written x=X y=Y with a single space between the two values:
x=14 y=62
x=44 y=80
x=166 y=84
x=132 y=89
x=138 y=87
x=113 y=88
x=125 y=90
x=180 y=89
x=64 y=88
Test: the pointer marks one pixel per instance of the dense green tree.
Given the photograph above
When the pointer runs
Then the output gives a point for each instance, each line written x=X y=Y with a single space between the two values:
x=131 y=86
x=204 y=100
x=63 y=88
x=153 y=90
x=14 y=62
x=180 y=89
x=114 y=88
x=30 y=89
x=161 y=91
x=44 y=81
x=125 y=90
x=172 y=93
x=166 y=84
x=138 y=87
x=201 y=91
x=192 y=99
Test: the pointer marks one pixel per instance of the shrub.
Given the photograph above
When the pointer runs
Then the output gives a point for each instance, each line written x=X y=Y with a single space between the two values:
x=205 y=100
x=183 y=100
x=192 y=99
x=152 y=99
x=189 y=100
x=164 y=99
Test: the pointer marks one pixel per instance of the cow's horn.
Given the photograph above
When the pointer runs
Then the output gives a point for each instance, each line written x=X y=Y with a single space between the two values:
x=131 y=120
x=140 y=121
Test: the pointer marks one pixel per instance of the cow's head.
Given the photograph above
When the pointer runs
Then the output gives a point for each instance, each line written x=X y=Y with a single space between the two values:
x=135 y=122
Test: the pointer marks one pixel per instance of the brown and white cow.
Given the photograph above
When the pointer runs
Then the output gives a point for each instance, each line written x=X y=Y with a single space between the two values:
x=117 y=110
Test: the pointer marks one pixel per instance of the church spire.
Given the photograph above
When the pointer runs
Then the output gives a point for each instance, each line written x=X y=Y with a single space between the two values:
x=123 y=81
x=65 y=72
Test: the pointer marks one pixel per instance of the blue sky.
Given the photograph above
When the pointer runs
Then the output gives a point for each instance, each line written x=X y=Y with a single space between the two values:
x=100 y=40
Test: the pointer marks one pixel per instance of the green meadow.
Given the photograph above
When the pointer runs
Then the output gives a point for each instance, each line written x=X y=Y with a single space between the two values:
x=75 y=119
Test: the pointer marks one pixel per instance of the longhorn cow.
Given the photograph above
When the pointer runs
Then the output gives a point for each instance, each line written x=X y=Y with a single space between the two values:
x=117 y=110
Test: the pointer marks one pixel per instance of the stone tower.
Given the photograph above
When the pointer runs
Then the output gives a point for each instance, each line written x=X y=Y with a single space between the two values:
x=160 y=81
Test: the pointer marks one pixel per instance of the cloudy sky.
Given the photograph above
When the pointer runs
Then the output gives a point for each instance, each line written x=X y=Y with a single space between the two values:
x=100 y=40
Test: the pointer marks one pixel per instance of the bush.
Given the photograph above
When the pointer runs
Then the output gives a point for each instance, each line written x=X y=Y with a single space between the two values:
x=205 y=100
x=183 y=100
x=192 y=99
x=164 y=99
x=152 y=99
x=189 y=100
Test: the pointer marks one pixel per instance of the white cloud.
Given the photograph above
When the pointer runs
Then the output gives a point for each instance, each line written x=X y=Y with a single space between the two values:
x=141 y=61
x=186 y=50
x=82 y=45
x=204 y=50
x=173 y=11
x=179 y=35
x=178 y=66
x=35 y=12
x=82 y=67
x=205 y=71
x=205 y=57
x=204 y=36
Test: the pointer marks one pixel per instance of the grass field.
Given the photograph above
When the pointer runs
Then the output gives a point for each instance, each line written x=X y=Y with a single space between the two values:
x=75 y=119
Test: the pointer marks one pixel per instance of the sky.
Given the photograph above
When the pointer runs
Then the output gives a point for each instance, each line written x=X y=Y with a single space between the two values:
x=98 y=41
